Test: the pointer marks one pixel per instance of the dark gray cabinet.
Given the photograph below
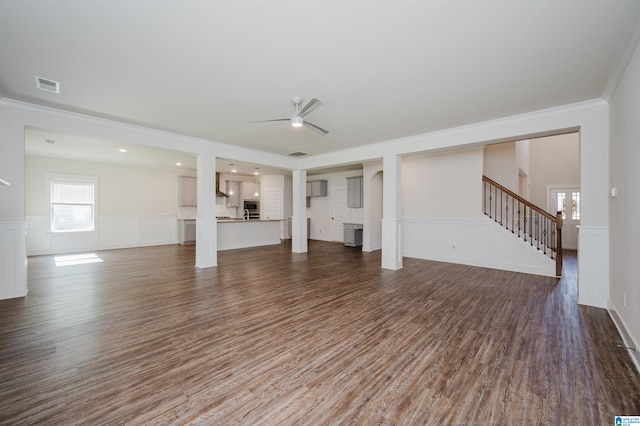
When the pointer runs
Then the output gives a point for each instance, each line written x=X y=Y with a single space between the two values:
x=353 y=234
x=317 y=188
x=354 y=192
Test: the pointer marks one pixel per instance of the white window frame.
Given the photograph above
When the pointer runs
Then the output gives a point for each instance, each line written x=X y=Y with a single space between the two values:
x=51 y=178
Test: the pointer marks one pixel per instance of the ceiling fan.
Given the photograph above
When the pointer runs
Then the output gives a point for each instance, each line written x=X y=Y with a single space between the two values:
x=297 y=119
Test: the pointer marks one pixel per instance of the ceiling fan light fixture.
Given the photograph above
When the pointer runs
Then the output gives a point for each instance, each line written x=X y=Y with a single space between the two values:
x=296 y=121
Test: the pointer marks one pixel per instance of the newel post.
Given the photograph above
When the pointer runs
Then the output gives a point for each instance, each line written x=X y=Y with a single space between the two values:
x=559 y=244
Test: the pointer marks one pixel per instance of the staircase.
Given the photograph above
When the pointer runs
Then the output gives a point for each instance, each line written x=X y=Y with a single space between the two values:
x=525 y=220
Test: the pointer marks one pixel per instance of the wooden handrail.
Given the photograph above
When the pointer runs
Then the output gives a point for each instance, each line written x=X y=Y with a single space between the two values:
x=519 y=198
x=551 y=220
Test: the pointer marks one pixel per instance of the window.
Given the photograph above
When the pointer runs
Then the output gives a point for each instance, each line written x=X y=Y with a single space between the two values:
x=72 y=204
x=575 y=205
x=561 y=203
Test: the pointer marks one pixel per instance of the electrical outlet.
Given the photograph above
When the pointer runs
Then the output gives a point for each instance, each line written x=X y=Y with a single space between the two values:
x=624 y=299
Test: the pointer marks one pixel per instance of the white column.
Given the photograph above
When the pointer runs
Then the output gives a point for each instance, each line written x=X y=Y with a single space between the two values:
x=13 y=228
x=299 y=219
x=391 y=222
x=593 y=237
x=206 y=223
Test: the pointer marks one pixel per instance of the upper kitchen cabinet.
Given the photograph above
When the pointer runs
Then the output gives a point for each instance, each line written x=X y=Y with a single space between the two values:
x=233 y=191
x=354 y=192
x=187 y=191
x=250 y=191
x=317 y=188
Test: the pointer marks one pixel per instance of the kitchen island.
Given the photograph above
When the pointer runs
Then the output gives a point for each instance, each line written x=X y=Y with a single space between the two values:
x=238 y=233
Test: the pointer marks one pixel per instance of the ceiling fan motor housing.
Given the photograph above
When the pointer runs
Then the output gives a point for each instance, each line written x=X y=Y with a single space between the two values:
x=296 y=121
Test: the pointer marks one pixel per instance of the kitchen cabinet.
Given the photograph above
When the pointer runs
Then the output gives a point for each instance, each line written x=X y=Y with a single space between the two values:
x=250 y=191
x=353 y=234
x=354 y=192
x=186 y=231
x=317 y=188
x=233 y=191
x=187 y=191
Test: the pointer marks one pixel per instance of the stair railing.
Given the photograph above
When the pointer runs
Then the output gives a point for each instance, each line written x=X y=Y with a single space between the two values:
x=529 y=222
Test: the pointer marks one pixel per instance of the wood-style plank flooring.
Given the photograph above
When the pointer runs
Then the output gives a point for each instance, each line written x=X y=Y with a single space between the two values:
x=322 y=338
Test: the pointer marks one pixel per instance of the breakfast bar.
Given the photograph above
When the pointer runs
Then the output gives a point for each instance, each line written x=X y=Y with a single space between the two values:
x=238 y=233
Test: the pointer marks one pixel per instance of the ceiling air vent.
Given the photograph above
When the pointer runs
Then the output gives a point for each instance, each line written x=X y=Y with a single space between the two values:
x=297 y=154
x=47 y=85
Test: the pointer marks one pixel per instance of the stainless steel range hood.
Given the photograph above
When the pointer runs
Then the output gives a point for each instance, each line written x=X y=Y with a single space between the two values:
x=218 y=192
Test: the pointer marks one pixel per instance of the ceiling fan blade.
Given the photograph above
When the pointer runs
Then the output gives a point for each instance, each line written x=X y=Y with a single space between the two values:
x=266 y=121
x=312 y=105
x=318 y=130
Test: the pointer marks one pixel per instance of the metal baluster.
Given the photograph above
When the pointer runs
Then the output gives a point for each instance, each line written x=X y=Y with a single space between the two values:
x=544 y=236
x=519 y=208
x=506 y=212
x=535 y=230
x=501 y=209
x=525 y=221
x=531 y=225
x=484 y=196
x=513 y=217
x=538 y=230
x=490 y=201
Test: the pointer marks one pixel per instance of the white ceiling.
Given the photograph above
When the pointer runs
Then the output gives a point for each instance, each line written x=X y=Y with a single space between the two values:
x=383 y=69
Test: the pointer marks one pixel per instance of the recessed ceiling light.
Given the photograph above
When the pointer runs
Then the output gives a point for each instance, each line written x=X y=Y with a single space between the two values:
x=256 y=172
x=233 y=170
x=178 y=164
x=122 y=150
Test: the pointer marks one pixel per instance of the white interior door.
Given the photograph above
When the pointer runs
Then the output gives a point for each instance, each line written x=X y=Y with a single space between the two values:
x=339 y=213
x=567 y=201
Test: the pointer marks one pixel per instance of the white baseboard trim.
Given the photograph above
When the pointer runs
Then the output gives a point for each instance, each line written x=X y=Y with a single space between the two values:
x=627 y=338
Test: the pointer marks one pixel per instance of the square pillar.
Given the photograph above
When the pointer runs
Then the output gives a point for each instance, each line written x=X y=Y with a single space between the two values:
x=299 y=219
x=391 y=222
x=206 y=222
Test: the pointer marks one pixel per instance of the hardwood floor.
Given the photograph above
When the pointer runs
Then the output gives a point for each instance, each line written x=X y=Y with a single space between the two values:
x=327 y=337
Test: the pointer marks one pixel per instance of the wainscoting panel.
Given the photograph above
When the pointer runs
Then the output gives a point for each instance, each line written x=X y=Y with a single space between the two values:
x=593 y=272
x=119 y=231
x=472 y=242
x=13 y=260
x=158 y=230
x=111 y=232
x=67 y=242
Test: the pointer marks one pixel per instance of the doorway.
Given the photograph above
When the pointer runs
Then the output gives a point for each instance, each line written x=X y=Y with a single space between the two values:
x=339 y=214
x=566 y=199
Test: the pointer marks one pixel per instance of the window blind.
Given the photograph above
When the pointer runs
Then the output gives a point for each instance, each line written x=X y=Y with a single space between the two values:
x=71 y=192
x=72 y=205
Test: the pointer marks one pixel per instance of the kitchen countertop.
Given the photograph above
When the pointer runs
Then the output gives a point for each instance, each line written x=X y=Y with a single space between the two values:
x=247 y=221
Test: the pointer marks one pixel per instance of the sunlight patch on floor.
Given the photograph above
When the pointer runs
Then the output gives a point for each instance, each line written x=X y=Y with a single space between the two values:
x=77 y=259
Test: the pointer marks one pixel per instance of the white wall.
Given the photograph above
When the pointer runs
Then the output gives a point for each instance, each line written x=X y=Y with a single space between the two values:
x=443 y=220
x=522 y=156
x=288 y=196
x=320 y=210
x=500 y=164
x=625 y=226
x=372 y=200
x=135 y=206
x=444 y=185
x=553 y=160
